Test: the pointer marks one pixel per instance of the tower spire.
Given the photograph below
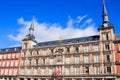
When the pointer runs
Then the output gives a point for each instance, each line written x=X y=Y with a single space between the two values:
x=105 y=15
x=31 y=29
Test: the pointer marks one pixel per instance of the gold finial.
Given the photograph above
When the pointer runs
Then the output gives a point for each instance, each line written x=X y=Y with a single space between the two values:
x=60 y=40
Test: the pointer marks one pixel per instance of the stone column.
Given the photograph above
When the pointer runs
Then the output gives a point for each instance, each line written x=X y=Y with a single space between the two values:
x=25 y=79
x=12 y=79
x=7 y=78
x=3 y=78
x=82 y=79
x=39 y=79
x=92 y=78
x=102 y=78
x=31 y=79
x=18 y=78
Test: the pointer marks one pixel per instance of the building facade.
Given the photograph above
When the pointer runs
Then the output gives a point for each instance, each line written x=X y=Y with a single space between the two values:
x=94 y=57
x=85 y=58
x=9 y=63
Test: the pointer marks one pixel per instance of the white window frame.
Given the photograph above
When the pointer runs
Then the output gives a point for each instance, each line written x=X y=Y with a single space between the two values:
x=96 y=70
x=2 y=71
x=10 y=72
x=86 y=48
x=67 y=60
x=96 y=58
x=86 y=59
x=16 y=63
x=5 y=56
x=42 y=71
x=13 y=56
x=67 y=70
x=12 y=63
x=7 y=63
x=9 y=56
x=3 y=63
x=44 y=51
x=50 y=71
x=77 y=59
x=51 y=61
x=96 y=47
x=77 y=70
x=1 y=56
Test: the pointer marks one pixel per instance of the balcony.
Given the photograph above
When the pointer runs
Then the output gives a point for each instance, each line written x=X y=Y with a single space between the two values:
x=117 y=62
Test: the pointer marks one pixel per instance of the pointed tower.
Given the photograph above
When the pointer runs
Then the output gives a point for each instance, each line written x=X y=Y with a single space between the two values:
x=31 y=29
x=105 y=16
x=106 y=29
x=29 y=40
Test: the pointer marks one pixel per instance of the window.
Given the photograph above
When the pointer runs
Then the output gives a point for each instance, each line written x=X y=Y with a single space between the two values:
x=51 y=52
x=35 y=71
x=67 y=60
x=12 y=63
x=107 y=47
x=43 y=71
x=67 y=70
x=9 y=56
x=108 y=69
x=10 y=71
x=36 y=61
x=96 y=58
x=68 y=50
x=77 y=59
x=44 y=52
x=96 y=70
x=77 y=70
x=28 y=72
x=95 y=47
x=50 y=71
x=37 y=52
x=24 y=53
x=16 y=63
x=6 y=71
x=108 y=58
x=43 y=61
x=77 y=49
x=106 y=36
x=17 y=55
x=7 y=63
x=30 y=61
x=51 y=61
x=4 y=56
x=2 y=72
x=3 y=64
x=86 y=48
x=86 y=59
x=0 y=56
x=25 y=45
x=13 y=55
x=87 y=70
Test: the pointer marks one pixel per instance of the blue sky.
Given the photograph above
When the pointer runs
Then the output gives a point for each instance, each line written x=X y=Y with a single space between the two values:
x=53 y=15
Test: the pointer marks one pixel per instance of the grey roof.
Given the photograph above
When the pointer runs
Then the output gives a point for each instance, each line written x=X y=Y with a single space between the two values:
x=68 y=41
x=117 y=37
x=13 y=49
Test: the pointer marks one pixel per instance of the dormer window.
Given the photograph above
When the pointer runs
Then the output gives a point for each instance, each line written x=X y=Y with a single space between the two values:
x=77 y=49
x=68 y=50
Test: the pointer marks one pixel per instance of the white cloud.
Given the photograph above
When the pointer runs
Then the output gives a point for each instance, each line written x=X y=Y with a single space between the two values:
x=48 y=32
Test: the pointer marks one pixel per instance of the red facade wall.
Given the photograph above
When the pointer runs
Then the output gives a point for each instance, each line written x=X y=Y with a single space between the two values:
x=9 y=65
x=117 y=57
